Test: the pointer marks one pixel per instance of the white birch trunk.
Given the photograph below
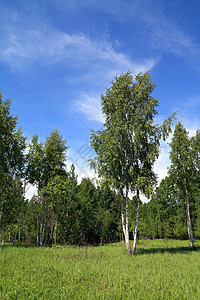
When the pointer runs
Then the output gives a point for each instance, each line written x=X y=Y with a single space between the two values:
x=125 y=224
x=9 y=234
x=1 y=212
x=123 y=221
x=18 y=224
x=2 y=242
x=43 y=226
x=190 y=234
x=128 y=247
x=174 y=231
x=38 y=219
x=55 y=237
x=136 y=223
x=24 y=192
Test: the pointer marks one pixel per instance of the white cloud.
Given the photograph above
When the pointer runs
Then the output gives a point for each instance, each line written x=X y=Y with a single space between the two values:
x=165 y=34
x=90 y=106
x=162 y=31
x=168 y=37
x=25 y=43
x=159 y=30
x=41 y=42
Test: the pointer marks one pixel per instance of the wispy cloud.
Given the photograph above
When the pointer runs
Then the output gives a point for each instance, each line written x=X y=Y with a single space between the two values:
x=160 y=31
x=89 y=104
x=90 y=107
x=164 y=33
x=168 y=37
x=25 y=43
x=192 y=102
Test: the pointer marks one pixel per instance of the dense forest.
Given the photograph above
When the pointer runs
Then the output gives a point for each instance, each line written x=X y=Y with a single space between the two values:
x=92 y=212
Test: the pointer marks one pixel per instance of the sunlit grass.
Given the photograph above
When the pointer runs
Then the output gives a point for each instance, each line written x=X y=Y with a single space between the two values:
x=161 y=269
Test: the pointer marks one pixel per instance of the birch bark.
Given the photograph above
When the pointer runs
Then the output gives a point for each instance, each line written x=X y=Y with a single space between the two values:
x=125 y=224
x=18 y=223
x=1 y=212
x=190 y=234
x=136 y=223
x=43 y=226
x=38 y=242
x=55 y=237
x=2 y=242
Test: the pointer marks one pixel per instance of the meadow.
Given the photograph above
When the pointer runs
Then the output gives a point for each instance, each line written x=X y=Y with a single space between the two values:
x=161 y=269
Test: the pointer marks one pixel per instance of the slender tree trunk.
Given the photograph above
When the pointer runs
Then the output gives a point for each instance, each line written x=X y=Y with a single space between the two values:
x=9 y=234
x=190 y=234
x=18 y=223
x=38 y=242
x=165 y=229
x=174 y=230
x=49 y=227
x=2 y=242
x=55 y=237
x=136 y=223
x=45 y=222
x=52 y=231
x=127 y=229
x=24 y=192
x=125 y=225
x=43 y=226
x=1 y=211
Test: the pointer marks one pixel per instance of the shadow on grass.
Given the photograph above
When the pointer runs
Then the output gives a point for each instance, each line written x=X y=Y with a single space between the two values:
x=175 y=250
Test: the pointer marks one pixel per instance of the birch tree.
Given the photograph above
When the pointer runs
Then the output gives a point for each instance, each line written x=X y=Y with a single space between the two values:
x=44 y=162
x=12 y=146
x=35 y=170
x=129 y=142
x=182 y=169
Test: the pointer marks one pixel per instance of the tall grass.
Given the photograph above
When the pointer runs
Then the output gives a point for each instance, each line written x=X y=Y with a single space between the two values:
x=161 y=269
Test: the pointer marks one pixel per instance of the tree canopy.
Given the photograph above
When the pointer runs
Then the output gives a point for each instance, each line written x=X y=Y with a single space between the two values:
x=129 y=142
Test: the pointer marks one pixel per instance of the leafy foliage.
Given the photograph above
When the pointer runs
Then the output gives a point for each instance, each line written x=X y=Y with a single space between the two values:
x=12 y=163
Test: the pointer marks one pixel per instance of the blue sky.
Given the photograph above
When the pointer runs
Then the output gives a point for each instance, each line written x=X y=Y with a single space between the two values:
x=58 y=56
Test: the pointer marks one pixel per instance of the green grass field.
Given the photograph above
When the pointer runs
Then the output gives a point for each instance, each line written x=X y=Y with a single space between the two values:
x=161 y=269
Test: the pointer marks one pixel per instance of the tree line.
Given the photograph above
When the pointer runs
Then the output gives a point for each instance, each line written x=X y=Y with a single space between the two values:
x=174 y=210
x=127 y=147
x=62 y=211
